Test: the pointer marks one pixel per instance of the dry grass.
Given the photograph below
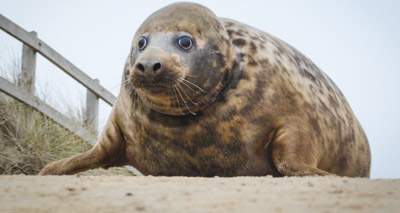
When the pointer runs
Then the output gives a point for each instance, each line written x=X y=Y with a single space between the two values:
x=27 y=145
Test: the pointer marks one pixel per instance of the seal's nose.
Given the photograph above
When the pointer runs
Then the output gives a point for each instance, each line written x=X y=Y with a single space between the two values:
x=156 y=66
x=147 y=67
x=151 y=62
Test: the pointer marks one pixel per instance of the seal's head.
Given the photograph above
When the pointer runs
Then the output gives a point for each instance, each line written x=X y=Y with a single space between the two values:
x=181 y=59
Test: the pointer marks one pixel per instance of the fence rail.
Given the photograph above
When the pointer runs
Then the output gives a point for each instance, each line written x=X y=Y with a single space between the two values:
x=22 y=95
x=38 y=45
x=24 y=92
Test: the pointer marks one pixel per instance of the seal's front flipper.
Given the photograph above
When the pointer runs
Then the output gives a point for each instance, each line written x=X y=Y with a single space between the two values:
x=109 y=151
x=75 y=164
x=294 y=152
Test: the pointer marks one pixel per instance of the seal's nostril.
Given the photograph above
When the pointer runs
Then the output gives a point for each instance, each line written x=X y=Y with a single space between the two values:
x=156 y=66
x=140 y=67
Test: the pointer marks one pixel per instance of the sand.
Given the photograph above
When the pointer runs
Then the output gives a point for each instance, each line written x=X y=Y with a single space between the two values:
x=183 y=194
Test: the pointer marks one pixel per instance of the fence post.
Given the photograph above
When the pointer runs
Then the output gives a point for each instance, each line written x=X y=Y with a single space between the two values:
x=92 y=110
x=27 y=75
x=28 y=66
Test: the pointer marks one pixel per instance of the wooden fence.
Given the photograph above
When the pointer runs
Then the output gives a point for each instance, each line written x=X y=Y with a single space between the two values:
x=24 y=92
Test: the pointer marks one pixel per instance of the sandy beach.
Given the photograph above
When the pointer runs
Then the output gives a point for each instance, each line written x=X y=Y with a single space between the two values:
x=183 y=194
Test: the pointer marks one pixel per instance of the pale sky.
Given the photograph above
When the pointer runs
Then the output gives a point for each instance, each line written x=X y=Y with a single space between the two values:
x=357 y=43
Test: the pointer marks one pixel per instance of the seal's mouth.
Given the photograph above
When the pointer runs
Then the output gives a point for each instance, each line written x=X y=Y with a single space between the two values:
x=155 y=89
x=153 y=86
x=172 y=96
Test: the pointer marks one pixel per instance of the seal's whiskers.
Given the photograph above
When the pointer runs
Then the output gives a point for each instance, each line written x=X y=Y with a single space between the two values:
x=133 y=94
x=192 y=84
x=115 y=87
x=181 y=82
x=187 y=96
x=177 y=100
x=184 y=101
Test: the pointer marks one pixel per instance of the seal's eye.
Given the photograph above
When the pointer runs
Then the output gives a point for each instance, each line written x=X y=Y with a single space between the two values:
x=142 y=43
x=185 y=42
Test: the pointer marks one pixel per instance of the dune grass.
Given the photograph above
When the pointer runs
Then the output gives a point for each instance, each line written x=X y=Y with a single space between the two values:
x=27 y=145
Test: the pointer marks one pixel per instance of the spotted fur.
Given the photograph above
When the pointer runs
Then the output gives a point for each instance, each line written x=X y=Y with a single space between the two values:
x=266 y=109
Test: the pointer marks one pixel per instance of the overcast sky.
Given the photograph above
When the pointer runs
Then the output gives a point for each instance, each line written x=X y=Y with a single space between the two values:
x=357 y=43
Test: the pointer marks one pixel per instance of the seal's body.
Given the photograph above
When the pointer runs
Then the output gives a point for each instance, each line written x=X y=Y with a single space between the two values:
x=205 y=96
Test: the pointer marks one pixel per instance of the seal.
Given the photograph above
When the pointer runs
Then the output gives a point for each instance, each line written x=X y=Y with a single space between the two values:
x=208 y=96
